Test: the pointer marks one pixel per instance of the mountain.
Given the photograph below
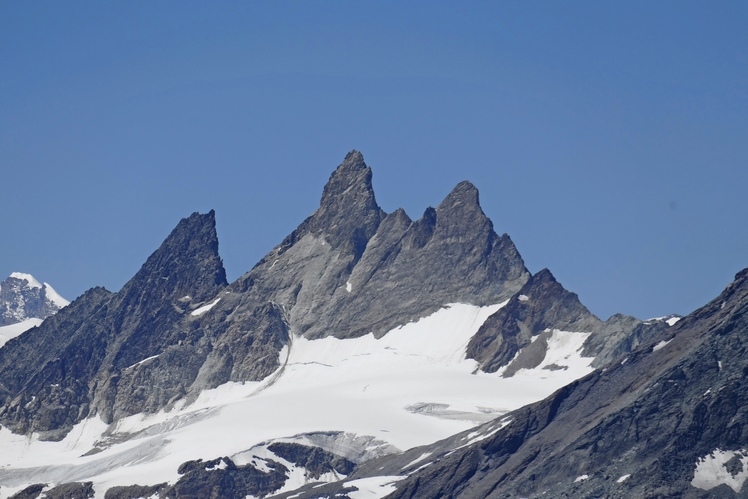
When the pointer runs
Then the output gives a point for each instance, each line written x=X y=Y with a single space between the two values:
x=22 y=297
x=25 y=303
x=361 y=335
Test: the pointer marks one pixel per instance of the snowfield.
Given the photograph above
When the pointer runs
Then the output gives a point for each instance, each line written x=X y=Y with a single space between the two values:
x=411 y=387
x=13 y=330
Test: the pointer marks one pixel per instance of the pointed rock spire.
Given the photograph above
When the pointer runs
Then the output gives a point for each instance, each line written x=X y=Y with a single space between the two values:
x=460 y=213
x=348 y=215
x=186 y=264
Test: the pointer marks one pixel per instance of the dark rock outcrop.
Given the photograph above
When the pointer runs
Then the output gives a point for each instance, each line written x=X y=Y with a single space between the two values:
x=222 y=478
x=135 y=491
x=74 y=490
x=315 y=460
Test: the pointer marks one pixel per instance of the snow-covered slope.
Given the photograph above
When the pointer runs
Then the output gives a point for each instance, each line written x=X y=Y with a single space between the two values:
x=13 y=330
x=410 y=387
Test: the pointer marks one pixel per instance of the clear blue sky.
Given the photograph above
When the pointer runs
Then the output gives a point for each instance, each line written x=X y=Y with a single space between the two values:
x=609 y=140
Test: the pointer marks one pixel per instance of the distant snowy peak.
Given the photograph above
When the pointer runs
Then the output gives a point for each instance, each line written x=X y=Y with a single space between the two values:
x=23 y=297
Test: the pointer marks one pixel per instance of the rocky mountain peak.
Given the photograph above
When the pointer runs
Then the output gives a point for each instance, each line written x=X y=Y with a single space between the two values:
x=463 y=200
x=348 y=215
x=350 y=184
x=460 y=215
x=186 y=264
x=23 y=297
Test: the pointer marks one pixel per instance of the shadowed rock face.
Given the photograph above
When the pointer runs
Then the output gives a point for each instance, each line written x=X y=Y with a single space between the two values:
x=636 y=429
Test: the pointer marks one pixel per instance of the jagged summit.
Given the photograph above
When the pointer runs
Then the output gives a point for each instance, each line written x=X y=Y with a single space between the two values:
x=349 y=250
x=463 y=193
x=351 y=174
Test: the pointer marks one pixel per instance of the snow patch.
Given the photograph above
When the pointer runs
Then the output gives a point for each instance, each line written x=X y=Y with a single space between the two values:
x=54 y=296
x=523 y=297
x=721 y=468
x=565 y=352
x=418 y=459
x=661 y=345
x=201 y=310
x=623 y=478
x=671 y=321
x=141 y=362
x=374 y=487
x=348 y=286
x=581 y=478
x=222 y=465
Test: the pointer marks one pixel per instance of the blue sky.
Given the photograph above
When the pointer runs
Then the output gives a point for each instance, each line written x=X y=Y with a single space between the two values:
x=609 y=140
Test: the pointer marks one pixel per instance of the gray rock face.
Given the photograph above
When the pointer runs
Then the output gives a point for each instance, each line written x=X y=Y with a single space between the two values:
x=22 y=297
x=349 y=269
x=620 y=335
x=540 y=305
x=635 y=429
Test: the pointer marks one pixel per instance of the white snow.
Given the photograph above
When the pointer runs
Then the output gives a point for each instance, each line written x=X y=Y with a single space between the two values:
x=623 y=478
x=411 y=387
x=54 y=296
x=32 y=283
x=374 y=487
x=201 y=310
x=13 y=330
x=661 y=344
x=142 y=362
x=348 y=286
x=671 y=321
x=523 y=297
x=581 y=478
x=711 y=470
x=418 y=459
